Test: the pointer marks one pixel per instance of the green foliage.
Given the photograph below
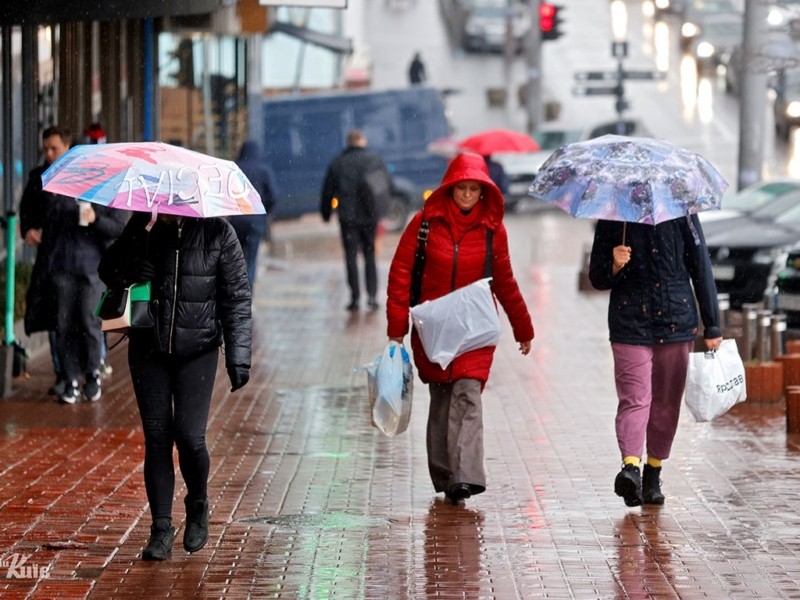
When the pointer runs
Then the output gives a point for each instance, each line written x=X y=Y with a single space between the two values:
x=22 y=279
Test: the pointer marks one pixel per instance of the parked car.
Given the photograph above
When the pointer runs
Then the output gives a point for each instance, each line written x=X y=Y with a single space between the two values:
x=303 y=133
x=786 y=104
x=484 y=28
x=787 y=297
x=753 y=198
x=713 y=45
x=697 y=13
x=748 y=251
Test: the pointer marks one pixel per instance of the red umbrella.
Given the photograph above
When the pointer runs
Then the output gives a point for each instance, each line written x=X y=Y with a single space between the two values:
x=491 y=141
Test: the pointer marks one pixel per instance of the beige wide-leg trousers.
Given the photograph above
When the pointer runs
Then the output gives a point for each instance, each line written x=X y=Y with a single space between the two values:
x=455 y=435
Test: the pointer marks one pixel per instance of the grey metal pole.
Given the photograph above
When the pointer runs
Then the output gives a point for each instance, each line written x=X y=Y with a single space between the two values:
x=763 y=335
x=753 y=97
x=255 y=89
x=534 y=66
x=778 y=335
x=749 y=326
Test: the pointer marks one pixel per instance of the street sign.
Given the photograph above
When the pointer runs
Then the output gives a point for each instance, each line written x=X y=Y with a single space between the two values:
x=650 y=75
x=613 y=75
x=597 y=90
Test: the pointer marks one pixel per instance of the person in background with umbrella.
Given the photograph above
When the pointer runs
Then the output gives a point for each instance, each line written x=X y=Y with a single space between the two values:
x=201 y=299
x=497 y=173
x=654 y=272
x=251 y=229
x=465 y=219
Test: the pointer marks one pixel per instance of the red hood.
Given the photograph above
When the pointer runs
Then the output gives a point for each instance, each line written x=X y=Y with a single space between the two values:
x=467 y=167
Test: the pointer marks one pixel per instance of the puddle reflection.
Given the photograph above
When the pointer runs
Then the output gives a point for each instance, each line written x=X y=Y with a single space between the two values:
x=453 y=540
x=644 y=556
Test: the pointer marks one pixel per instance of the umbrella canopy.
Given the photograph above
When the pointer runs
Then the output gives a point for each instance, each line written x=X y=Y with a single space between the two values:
x=153 y=177
x=493 y=141
x=637 y=180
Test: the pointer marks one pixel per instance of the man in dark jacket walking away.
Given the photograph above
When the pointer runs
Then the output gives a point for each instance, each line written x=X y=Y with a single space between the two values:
x=416 y=70
x=358 y=185
x=251 y=229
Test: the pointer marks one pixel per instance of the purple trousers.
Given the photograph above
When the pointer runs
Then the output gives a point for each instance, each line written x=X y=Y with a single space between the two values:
x=650 y=383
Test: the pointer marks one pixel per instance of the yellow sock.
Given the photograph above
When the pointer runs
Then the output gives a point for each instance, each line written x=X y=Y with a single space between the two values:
x=654 y=462
x=631 y=460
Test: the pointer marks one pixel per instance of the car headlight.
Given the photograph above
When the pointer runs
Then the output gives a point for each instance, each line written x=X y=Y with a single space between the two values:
x=793 y=109
x=705 y=50
x=689 y=30
x=774 y=17
x=771 y=256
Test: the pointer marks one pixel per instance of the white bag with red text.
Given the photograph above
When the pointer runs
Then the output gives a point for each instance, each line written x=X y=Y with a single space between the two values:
x=458 y=322
x=714 y=382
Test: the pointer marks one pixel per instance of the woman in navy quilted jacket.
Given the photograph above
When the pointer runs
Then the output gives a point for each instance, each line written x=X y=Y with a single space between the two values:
x=465 y=209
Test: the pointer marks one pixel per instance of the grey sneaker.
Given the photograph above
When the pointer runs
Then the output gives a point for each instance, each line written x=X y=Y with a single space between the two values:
x=70 y=394
x=92 y=387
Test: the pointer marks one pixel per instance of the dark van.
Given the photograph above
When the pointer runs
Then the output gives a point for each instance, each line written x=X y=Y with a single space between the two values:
x=302 y=135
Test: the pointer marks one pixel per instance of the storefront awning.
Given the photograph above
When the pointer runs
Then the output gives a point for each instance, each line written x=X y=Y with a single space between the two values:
x=332 y=42
x=40 y=12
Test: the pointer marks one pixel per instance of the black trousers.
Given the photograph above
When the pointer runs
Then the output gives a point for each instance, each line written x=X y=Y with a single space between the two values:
x=79 y=336
x=361 y=236
x=174 y=396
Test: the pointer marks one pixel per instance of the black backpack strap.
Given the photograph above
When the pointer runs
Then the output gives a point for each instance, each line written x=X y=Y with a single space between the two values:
x=419 y=263
x=487 y=264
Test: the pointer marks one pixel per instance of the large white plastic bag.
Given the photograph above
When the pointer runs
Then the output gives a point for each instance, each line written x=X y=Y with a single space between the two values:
x=458 y=322
x=714 y=382
x=390 y=380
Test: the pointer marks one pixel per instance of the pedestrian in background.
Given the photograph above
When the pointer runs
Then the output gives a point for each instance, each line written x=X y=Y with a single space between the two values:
x=465 y=219
x=654 y=274
x=498 y=174
x=201 y=299
x=416 y=70
x=75 y=234
x=252 y=229
x=40 y=305
x=357 y=182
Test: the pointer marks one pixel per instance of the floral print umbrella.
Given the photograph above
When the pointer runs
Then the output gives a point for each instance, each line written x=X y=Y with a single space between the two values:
x=636 y=180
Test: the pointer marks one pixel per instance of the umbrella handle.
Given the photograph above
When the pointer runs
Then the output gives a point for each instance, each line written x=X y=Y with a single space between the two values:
x=624 y=227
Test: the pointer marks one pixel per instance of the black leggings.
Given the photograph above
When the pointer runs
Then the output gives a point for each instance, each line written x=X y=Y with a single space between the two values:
x=174 y=396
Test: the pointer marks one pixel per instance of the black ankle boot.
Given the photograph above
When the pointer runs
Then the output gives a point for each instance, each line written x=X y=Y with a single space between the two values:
x=651 y=485
x=628 y=484
x=195 y=534
x=159 y=546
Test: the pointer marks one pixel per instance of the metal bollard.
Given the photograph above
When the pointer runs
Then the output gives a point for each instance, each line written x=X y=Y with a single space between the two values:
x=762 y=336
x=749 y=316
x=777 y=329
x=724 y=301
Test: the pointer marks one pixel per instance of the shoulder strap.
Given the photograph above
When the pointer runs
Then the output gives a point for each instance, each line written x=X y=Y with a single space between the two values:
x=419 y=263
x=487 y=265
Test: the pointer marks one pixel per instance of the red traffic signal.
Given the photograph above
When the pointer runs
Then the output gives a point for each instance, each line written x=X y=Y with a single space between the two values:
x=549 y=21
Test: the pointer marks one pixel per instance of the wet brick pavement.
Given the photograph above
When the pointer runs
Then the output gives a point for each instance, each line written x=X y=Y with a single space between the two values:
x=310 y=502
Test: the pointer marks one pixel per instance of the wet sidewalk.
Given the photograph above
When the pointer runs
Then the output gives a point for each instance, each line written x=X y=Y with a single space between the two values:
x=310 y=502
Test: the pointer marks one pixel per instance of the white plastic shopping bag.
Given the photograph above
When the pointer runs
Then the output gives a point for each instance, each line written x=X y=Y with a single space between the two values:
x=714 y=382
x=458 y=322
x=390 y=379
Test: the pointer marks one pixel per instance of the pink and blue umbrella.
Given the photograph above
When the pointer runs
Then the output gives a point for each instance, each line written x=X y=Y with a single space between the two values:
x=153 y=177
x=636 y=180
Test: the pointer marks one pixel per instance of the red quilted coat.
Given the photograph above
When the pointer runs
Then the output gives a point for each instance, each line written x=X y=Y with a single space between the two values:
x=456 y=252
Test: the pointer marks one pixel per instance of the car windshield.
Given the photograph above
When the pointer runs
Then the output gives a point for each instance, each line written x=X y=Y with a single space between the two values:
x=756 y=198
x=783 y=209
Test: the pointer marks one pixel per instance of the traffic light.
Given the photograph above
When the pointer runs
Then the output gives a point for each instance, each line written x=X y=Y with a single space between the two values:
x=549 y=21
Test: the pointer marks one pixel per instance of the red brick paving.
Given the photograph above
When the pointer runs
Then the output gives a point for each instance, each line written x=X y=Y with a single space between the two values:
x=309 y=501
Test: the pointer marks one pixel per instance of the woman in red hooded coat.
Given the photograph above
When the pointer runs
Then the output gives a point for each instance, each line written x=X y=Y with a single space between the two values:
x=460 y=213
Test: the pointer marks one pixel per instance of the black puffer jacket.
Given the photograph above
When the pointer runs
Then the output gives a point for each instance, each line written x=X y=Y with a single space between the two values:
x=200 y=291
x=652 y=299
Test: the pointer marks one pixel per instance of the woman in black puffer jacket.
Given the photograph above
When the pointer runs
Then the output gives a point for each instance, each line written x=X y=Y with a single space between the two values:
x=200 y=300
